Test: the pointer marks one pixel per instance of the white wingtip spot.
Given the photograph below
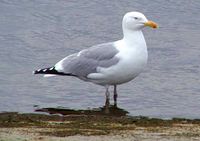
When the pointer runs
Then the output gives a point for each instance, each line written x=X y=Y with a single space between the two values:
x=44 y=70
x=51 y=68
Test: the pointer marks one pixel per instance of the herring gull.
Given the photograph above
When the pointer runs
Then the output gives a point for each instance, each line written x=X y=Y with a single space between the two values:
x=109 y=64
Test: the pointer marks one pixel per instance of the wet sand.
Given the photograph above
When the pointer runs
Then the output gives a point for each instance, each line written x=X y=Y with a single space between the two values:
x=74 y=127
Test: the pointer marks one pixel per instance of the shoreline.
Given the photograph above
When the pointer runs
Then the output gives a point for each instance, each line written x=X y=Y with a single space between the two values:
x=95 y=127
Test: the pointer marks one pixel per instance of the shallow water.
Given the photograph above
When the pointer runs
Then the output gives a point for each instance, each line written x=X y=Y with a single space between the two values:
x=36 y=34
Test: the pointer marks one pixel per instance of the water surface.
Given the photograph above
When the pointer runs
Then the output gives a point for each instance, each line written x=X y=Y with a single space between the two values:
x=36 y=34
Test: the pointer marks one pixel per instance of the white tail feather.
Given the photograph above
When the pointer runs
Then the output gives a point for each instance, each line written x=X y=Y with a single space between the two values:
x=49 y=75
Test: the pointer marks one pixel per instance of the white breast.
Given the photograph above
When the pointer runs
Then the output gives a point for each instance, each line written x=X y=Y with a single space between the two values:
x=133 y=58
x=132 y=62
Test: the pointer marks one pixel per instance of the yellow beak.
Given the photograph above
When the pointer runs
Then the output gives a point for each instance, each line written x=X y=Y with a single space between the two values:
x=151 y=24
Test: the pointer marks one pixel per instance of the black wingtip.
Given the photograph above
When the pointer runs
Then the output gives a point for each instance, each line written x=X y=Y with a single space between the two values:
x=35 y=72
x=43 y=71
x=51 y=70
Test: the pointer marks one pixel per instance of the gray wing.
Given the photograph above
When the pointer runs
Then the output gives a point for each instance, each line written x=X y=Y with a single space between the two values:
x=86 y=61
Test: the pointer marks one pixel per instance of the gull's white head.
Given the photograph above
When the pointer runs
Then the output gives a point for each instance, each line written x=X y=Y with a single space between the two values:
x=136 y=21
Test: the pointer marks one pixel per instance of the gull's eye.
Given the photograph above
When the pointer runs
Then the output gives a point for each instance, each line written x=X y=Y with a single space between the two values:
x=136 y=18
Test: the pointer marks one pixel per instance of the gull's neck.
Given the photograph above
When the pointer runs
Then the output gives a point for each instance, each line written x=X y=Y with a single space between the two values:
x=135 y=38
